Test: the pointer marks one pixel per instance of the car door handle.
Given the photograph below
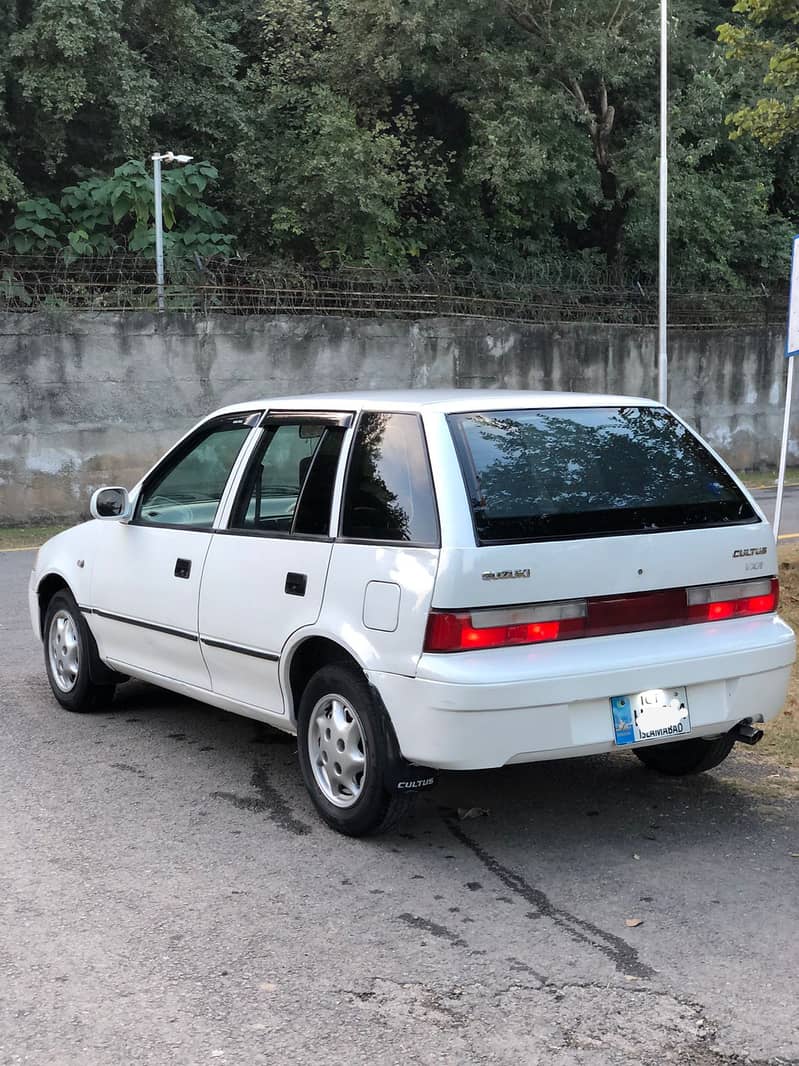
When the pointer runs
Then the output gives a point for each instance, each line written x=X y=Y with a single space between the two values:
x=183 y=568
x=296 y=584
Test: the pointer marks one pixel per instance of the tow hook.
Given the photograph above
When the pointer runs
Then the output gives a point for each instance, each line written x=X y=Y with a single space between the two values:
x=746 y=733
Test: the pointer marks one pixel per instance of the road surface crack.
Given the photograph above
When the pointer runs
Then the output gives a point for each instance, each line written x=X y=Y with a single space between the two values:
x=623 y=955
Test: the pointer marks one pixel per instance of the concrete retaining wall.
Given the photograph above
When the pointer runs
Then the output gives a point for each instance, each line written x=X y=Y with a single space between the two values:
x=93 y=399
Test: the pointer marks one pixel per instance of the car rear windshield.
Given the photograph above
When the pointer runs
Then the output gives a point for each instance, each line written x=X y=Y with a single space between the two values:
x=581 y=472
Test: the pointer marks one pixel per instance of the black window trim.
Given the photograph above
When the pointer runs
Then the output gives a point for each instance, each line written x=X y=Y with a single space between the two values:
x=182 y=449
x=276 y=534
x=328 y=419
x=553 y=538
x=304 y=485
x=469 y=480
x=341 y=419
x=340 y=538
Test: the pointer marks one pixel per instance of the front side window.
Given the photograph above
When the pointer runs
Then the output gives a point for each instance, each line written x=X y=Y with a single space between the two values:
x=389 y=492
x=187 y=488
x=543 y=474
x=289 y=485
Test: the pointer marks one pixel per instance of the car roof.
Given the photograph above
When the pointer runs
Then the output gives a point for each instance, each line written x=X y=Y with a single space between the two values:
x=444 y=400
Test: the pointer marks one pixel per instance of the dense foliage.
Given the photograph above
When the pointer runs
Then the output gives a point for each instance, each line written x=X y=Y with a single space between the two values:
x=769 y=38
x=486 y=135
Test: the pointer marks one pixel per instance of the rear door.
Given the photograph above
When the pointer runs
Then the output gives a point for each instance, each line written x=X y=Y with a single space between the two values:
x=265 y=572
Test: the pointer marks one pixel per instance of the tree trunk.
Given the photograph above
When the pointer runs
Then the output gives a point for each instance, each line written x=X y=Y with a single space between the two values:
x=599 y=124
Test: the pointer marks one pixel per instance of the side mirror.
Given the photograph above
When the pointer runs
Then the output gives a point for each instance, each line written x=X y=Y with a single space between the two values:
x=111 y=503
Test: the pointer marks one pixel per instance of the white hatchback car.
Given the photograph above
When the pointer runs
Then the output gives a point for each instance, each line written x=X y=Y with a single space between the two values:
x=421 y=580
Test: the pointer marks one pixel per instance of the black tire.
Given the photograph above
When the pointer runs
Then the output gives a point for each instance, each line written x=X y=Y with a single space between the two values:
x=356 y=805
x=682 y=757
x=72 y=684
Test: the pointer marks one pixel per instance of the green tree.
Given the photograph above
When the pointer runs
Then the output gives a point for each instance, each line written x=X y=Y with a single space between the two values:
x=320 y=177
x=511 y=108
x=78 y=93
x=726 y=228
x=768 y=37
x=544 y=117
x=89 y=83
x=494 y=135
x=597 y=52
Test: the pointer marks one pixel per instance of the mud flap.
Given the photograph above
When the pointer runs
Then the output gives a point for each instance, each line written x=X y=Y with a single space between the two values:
x=400 y=775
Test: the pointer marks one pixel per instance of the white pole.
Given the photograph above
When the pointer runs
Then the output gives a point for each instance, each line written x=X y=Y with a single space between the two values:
x=663 y=355
x=791 y=352
x=159 y=232
x=784 y=449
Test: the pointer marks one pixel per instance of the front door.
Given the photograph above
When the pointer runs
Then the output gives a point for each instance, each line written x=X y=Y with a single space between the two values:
x=146 y=574
x=265 y=573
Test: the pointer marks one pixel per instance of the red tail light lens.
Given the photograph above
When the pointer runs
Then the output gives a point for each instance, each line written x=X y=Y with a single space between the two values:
x=455 y=632
x=449 y=631
x=740 y=600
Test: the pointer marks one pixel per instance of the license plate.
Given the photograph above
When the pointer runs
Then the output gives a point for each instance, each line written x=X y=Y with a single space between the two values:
x=651 y=715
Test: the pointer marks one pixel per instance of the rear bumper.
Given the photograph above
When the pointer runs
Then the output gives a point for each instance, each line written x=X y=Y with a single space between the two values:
x=478 y=713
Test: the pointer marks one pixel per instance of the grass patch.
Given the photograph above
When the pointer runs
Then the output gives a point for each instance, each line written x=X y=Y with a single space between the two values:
x=767 y=479
x=26 y=536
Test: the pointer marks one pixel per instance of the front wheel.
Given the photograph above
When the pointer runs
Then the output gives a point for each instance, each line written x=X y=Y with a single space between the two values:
x=69 y=654
x=681 y=757
x=345 y=747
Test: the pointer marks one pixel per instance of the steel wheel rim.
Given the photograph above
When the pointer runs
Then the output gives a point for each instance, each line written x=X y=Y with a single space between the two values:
x=337 y=750
x=63 y=649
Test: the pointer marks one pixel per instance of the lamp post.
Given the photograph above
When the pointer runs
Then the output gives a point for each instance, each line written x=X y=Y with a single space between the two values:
x=158 y=159
x=663 y=354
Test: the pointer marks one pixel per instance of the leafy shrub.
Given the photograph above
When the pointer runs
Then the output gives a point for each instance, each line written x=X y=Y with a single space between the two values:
x=103 y=214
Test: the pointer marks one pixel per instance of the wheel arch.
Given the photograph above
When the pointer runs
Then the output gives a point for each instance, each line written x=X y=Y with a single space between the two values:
x=304 y=659
x=49 y=585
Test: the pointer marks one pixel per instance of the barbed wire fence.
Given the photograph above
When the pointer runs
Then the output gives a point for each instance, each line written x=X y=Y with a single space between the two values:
x=246 y=287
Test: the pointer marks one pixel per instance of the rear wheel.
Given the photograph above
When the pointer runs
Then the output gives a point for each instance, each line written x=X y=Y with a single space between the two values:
x=70 y=657
x=682 y=757
x=345 y=749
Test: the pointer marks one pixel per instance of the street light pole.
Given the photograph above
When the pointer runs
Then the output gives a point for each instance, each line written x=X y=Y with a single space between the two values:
x=157 y=159
x=663 y=354
x=159 y=232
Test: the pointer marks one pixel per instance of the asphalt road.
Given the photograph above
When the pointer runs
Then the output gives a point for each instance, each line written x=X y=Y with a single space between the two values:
x=789 y=522
x=168 y=898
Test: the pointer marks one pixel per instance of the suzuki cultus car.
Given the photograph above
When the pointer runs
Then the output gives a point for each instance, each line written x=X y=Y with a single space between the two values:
x=420 y=580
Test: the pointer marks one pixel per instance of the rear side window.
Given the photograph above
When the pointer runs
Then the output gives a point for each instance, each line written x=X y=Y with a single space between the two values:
x=389 y=490
x=543 y=474
x=288 y=487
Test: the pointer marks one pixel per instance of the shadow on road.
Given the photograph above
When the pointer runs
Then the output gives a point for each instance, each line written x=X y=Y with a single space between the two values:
x=558 y=807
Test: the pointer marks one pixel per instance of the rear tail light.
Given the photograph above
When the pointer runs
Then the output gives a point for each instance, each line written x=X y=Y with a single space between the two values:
x=709 y=603
x=449 y=631
x=491 y=628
